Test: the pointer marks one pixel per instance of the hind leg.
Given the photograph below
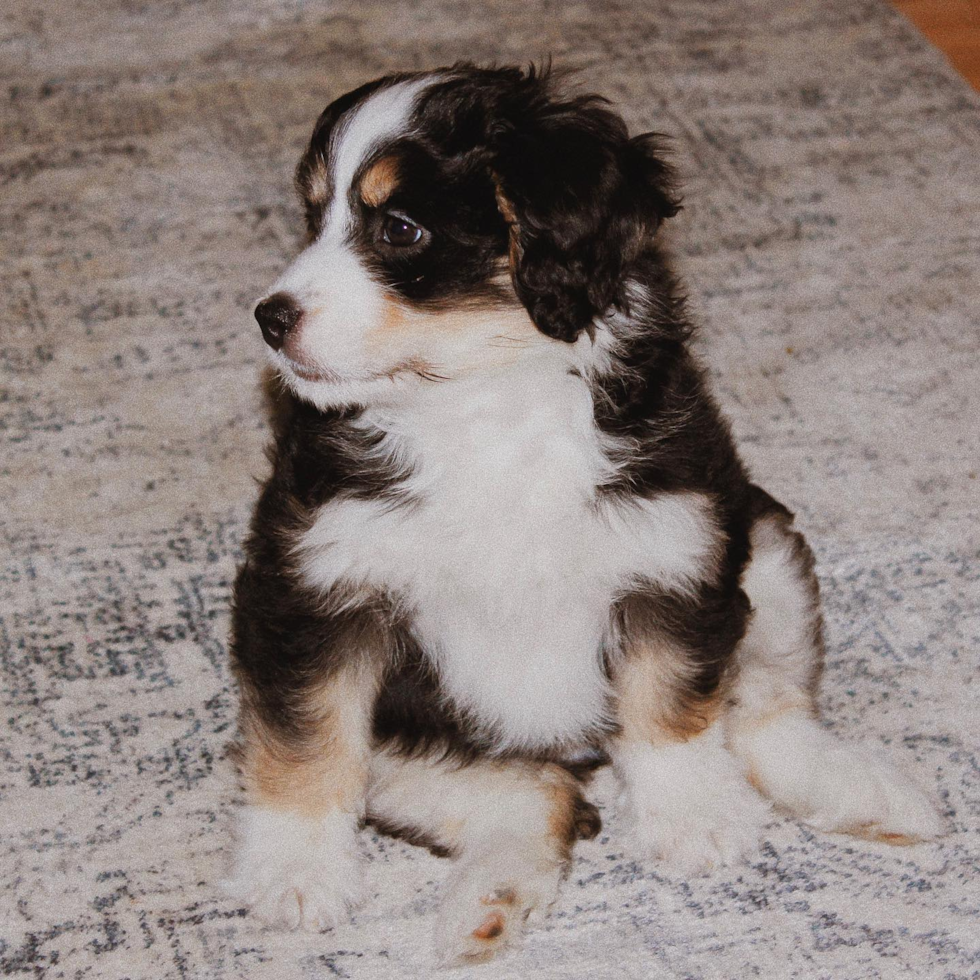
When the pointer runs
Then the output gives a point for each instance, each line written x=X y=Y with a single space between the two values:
x=772 y=726
x=510 y=826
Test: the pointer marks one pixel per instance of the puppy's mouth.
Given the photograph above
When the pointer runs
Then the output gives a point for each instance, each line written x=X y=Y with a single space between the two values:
x=320 y=375
x=316 y=375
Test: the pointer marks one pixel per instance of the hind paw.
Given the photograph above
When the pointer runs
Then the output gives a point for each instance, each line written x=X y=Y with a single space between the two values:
x=487 y=908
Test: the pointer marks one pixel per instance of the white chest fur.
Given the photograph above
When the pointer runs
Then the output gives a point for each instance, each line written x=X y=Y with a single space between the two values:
x=507 y=564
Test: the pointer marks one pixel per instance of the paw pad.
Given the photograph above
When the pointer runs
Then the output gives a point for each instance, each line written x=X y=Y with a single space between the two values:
x=491 y=928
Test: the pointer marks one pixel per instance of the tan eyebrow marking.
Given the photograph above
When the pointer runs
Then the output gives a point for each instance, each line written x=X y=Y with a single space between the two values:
x=378 y=184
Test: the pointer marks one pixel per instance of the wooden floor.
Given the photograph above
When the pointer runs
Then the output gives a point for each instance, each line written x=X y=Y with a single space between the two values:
x=953 y=26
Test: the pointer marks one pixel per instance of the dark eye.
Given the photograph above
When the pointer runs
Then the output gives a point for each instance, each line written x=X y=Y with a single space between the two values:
x=400 y=232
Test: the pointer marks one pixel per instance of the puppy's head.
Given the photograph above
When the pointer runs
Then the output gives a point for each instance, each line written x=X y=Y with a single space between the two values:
x=458 y=221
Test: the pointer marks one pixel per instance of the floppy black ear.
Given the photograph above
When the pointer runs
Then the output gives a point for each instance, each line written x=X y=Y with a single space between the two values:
x=582 y=199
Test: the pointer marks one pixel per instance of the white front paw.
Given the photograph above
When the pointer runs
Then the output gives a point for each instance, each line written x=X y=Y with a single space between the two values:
x=693 y=836
x=295 y=872
x=690 y=806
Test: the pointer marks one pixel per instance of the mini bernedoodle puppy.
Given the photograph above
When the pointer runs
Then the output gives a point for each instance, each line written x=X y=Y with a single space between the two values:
x=507 y=534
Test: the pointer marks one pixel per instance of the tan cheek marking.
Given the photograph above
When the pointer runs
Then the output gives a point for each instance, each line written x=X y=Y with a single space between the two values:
x=394 y=317
x=379 y=183
x=401 y=333
x=512 y=321
x=392 y=338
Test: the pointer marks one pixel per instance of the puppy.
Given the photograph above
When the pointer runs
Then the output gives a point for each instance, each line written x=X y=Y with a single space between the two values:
x=507 y=533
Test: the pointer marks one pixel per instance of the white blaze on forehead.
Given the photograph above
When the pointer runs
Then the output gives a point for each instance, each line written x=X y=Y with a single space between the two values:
x=383 y=115
x=341 y=301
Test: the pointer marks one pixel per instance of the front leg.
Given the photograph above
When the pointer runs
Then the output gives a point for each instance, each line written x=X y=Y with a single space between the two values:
x=308 y=684
x=685 y=795
x=296 y=863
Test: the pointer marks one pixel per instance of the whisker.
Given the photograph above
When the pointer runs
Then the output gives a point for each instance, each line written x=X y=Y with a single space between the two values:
x=512 y=341
x=394 y=283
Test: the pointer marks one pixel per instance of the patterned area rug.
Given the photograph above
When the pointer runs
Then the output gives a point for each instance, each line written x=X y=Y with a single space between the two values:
x=831 y=243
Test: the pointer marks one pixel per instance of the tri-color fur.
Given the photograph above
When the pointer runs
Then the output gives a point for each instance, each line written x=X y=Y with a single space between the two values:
x=507 y=532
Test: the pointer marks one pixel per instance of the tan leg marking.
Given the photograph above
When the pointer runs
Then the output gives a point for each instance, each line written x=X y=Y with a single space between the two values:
x=869 y=832
x=653 y=707
x=327 y=766
x=570 y=816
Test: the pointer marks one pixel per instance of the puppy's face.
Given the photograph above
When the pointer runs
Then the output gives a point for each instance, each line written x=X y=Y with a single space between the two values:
x=458 y=221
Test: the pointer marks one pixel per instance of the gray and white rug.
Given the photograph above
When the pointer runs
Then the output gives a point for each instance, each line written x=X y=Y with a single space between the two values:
x=831 y=242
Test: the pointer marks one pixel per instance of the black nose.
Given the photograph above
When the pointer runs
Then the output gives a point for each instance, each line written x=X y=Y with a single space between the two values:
x=277 y=315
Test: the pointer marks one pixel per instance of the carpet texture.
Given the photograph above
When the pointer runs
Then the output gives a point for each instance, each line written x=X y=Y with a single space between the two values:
x=830 y=242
